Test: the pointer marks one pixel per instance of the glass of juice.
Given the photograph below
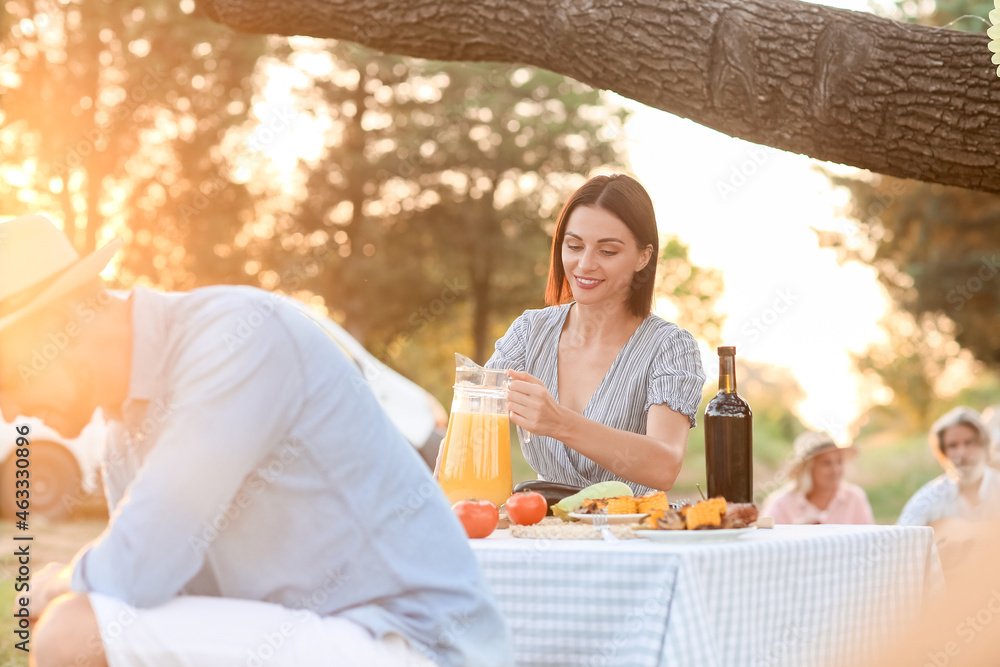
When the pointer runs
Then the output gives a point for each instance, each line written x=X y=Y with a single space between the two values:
x=475 y=458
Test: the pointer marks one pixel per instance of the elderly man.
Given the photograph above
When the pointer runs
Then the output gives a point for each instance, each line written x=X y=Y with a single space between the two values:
x=968 y=492
x=264 y=510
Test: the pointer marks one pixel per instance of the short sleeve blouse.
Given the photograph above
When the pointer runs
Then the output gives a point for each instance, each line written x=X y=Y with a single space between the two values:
x=659 y=365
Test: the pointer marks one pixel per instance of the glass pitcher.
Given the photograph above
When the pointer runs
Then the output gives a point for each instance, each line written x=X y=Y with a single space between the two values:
x=475 y=459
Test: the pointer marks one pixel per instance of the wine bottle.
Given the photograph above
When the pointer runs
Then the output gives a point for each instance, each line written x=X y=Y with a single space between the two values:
x=729 y=437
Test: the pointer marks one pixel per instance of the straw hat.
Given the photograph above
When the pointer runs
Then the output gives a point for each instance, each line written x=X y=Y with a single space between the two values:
x=38 y=265
x=811 y=444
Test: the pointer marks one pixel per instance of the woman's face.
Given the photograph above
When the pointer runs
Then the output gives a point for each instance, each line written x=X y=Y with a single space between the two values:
x=600 y=256
x=828 y=470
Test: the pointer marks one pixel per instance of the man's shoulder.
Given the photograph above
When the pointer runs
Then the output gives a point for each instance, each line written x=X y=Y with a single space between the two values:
x=214 y=298
x=941 y=484
x=206 y=301
x=227 y=306
x=935 y=495
x=223 y=317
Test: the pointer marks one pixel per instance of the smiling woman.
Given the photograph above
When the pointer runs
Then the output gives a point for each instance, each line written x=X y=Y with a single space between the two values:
x=601 y=388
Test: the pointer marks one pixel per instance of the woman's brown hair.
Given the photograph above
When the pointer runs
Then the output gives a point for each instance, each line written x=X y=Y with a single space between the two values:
x=623 y=197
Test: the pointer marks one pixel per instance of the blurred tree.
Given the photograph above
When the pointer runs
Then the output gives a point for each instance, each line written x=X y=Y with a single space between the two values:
x=912 y=364
x=935 y=248
x=438 y=188
x=112 y=122
x=691 y=291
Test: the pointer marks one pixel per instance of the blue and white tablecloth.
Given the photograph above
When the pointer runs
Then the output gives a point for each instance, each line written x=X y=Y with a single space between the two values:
x=795 y=596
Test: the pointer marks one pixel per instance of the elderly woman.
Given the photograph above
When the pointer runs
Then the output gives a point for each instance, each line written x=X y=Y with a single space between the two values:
x=817 y=492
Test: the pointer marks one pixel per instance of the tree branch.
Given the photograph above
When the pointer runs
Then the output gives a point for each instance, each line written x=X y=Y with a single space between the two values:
x=847 y=87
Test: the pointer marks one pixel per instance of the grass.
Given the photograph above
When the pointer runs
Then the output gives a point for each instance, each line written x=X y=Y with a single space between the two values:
x=52 y=542
x=9 y=656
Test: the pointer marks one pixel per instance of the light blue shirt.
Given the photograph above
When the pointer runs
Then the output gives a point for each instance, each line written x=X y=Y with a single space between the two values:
x=659 y=365
x=253 y=462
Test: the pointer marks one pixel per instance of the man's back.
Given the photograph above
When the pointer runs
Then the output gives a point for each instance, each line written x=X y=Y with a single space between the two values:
x=255 y=463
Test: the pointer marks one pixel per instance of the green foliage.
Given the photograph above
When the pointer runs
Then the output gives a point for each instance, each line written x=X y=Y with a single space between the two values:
x=12 y=657
x=936 y=251
x=891 y=470
x=947 y=13
x=691 y=290
x=436 y=188
x=112 y=122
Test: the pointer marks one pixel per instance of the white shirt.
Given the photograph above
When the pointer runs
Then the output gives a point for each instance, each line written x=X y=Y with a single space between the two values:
x=940 y=499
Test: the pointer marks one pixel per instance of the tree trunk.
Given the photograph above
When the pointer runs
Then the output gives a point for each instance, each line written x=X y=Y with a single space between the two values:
x=900 y=99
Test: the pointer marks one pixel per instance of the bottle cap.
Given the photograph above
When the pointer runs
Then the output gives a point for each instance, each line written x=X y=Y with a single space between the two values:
x=727 y=351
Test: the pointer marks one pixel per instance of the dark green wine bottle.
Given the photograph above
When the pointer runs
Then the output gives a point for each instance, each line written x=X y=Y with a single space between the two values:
x=729 y=437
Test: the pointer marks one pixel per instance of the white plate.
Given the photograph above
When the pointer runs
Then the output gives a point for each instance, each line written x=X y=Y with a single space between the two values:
x=613 y=519
x=706 y=535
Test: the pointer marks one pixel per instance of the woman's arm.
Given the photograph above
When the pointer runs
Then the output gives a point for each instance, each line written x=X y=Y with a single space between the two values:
x=652 y=460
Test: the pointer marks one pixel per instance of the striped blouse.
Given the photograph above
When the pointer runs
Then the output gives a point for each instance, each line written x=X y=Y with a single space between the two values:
x=660 y=364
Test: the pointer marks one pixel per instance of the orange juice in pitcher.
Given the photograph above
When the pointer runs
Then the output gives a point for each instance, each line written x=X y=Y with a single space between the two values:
x=475 y=457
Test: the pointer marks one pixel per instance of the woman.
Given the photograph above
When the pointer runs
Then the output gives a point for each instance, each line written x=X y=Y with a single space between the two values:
x=600 y=388
x=817 y=492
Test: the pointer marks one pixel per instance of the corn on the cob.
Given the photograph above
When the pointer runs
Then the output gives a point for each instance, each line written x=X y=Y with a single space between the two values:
x=718 y=504
x=704 y=513
x=622 y=505
x=651 y=521
x=654 y=501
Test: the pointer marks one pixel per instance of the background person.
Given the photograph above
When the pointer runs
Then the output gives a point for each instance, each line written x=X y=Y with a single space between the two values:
x=601 y=388
x=968 y=492
x=817 y=492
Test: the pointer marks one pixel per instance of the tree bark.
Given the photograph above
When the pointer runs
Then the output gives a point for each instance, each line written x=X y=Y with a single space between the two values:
x=841 y=86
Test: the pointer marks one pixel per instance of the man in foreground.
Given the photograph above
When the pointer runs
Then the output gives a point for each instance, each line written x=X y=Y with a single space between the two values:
x=264 y=510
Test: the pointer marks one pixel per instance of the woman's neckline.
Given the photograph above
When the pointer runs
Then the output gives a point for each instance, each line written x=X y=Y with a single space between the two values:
x=611 y=368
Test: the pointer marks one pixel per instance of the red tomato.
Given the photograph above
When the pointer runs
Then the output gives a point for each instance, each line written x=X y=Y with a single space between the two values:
x=478 y=517
x=526 y=508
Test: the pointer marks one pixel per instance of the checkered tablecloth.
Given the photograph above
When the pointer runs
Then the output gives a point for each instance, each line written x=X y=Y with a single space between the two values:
x=795 y=595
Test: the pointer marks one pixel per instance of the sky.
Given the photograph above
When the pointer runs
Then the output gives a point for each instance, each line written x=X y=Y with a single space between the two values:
x=747 y=210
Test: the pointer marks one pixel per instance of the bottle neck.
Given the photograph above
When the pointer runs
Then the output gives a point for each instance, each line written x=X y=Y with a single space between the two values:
x=727 y=374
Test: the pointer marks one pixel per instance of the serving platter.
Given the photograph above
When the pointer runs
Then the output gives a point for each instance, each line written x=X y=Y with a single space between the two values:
x=613 y=519
x=705 y=535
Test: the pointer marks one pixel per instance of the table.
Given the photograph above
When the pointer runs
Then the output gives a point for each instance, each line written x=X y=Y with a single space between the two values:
x=794 y=595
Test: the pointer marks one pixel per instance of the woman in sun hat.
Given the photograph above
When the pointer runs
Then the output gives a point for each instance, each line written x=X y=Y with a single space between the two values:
x=817 y=492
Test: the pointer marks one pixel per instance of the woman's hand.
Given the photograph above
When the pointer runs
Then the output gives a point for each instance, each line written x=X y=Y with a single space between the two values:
x=531 y=405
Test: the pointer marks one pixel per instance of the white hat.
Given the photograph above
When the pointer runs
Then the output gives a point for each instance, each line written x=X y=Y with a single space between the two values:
x=811 y=444
x=38 y=265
